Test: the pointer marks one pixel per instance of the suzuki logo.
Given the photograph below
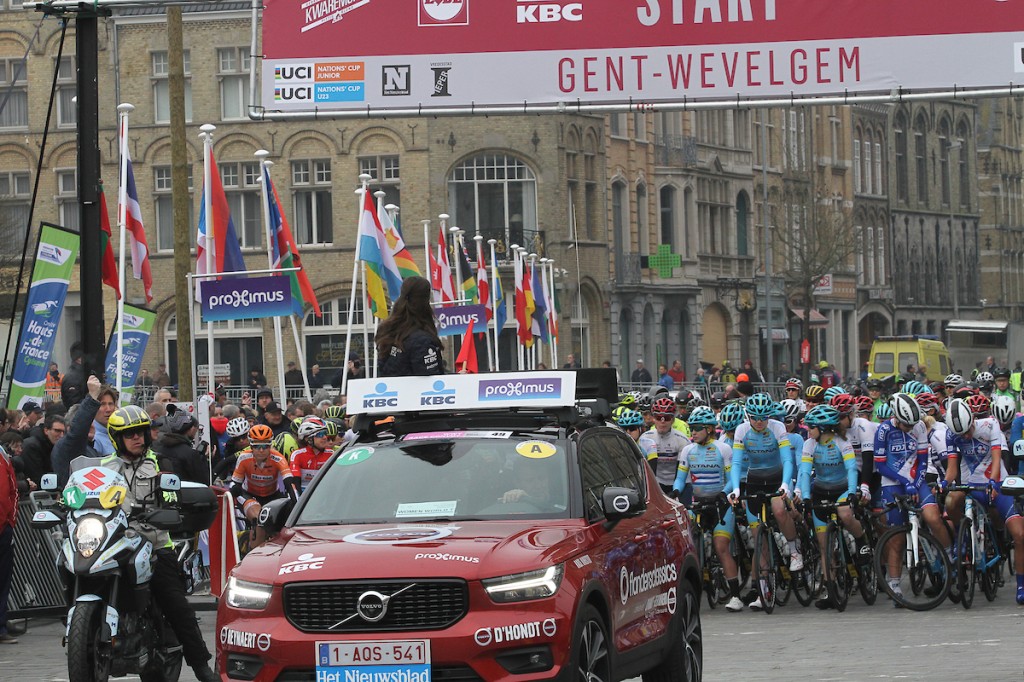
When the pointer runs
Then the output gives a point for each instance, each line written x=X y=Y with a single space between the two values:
x=94 y=479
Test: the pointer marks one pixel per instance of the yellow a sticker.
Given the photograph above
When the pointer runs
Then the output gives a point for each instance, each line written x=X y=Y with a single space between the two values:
x=113 y=496
x=536 y=449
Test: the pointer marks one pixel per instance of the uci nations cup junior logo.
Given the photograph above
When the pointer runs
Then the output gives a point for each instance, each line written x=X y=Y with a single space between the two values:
x=443 y=12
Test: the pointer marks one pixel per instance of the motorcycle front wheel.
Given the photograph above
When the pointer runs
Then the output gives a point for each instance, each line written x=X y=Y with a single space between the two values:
x=88 y=651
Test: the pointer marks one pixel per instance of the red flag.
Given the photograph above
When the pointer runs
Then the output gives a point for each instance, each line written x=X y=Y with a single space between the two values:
x=136 y=231
x=109 y=264
x=466 y=362
x=223 y=544
x=441 y=272
x=482 y=284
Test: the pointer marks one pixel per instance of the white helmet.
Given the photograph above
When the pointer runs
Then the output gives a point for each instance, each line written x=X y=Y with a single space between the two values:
x=792 y=408
x=905 y=409
x=311 y=426
x=239 y=426
x=1004 y=409
x=959 y=417
x=954 y=380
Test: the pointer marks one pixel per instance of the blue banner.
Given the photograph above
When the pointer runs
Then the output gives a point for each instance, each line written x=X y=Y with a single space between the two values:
x=246 y=298
x=138 y=325
x=455 y=319
x=55 y=258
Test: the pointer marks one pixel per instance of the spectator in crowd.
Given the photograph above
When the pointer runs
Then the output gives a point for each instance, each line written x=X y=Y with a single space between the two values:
x=990 y=365
x=176 y=437
x=54 y=379
x=72 y=388
x=355 y=369
x=144 y=379
x=922 y=373
x=257 y=379
x=754 y=376
x=571 y=362
x=783 y=373
x=81 y=432
x=273 y=417
x=702 y=377
x=11 y=442
x=293 y=377
x=163 y=396
x=663 y=377
x=828 y=376
x=316 y=380
x=726 y=374
x=640 y=375
x=32 y=419
x=35 y=452
x=161 y=377
x=108 y=403
x=263 y=398
x=677 y=372
x=8 y=517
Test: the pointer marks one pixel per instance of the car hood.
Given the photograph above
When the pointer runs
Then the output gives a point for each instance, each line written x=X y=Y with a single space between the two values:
x=465 y=549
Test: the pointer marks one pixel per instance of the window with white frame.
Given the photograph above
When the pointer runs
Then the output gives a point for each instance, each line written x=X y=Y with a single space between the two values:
x=242 y=187
x=617 y=125
x=67 y=198
x=233 y=66
x=15 y=197
x=161 y=87
x=497 y=195
x=579 y=321
x=311 y=199
x=324 y=337
x=857 y=187
x=640 y=126
x=868 y=167
x=164 y=205
x=835 y=126
x=14 y=86
x=794 y=143
x=67 y=109
x=385 y=172
x=878 y=165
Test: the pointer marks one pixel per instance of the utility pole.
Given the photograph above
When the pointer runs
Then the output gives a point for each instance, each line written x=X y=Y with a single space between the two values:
x=181 y=200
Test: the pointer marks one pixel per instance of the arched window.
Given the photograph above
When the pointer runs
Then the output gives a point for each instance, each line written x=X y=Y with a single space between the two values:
x=902 y=173
x=944 y=169
x=964 y=160
x=921 y=157
x=497 y=194
x=866 y=144
x=620 y=216
x=742 y=224
x=667 y=206
x=879 y=178
x=643 y=227
x=869 y=247
x=857 y=185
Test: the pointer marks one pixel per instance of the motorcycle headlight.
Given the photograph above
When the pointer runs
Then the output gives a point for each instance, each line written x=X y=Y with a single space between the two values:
x=242 y=594
x=89 y=533
x=537 y=584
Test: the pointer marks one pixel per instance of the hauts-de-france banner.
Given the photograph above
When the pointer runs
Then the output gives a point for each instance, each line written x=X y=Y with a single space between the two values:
x=55 y=257
x=138 y=326
x=324 y=55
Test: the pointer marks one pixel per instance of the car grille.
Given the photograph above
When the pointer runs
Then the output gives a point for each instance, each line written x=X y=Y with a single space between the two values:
x=424 y=605
x=458 y=673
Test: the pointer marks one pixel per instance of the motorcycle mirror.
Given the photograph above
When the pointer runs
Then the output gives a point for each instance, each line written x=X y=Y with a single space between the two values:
x=48 y=482
x=45 y=520
x=170 y=483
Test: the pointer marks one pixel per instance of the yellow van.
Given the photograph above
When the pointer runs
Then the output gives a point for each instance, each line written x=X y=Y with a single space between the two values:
x=890 y=356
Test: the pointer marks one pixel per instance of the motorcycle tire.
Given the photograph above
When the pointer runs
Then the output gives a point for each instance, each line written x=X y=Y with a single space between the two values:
x=88 y=652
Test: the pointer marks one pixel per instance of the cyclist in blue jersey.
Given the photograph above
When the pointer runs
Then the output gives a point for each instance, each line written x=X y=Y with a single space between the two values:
x=901 y=457
x=731 y=416
x=704 y=471
x=792 y=413
x=762 y=451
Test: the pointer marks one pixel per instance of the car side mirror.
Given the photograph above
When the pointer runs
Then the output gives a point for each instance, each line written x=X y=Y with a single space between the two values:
x=621 y=503
x=48 y=482
x=170 y=483
x=274 y=514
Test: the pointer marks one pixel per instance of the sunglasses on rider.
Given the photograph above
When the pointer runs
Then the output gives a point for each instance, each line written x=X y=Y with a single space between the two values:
x=664 y=417
x=260 y=446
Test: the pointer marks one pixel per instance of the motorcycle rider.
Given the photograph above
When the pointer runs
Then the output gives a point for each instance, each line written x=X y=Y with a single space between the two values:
x=129 y=430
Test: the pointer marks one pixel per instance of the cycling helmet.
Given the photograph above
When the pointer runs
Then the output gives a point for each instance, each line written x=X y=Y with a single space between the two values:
x=792 y=408
x=1000 y=372
x=964 y=392
x=657 y=391
x=927 y=401
x=731 y=416
x=310 y=427
x=332 y=427
x=760 y=406
x=663 y=406
x=718 y=399
x=814 y=393
x=260 y=433
x=875 y=384
x=238 y=427
x=905 y=409
x=864 y=404
x=794 y=383
x=334 y=412
x=128 y=419
x=702 y=416
x=627 y=400
x=843 y=403
x=914 y=387
x=980 y=405
x=883 y=411
x=959 y=417
x=643 y=403
x=984 y=380
x=630 y=418
x=833 y=391
x=616 y=412
x=1004 y=409
x=285 y=443
x=689 y=399
x=637 y=395
x=953 y=380
x=296 y=423
x=824 y=417
x=778 y=411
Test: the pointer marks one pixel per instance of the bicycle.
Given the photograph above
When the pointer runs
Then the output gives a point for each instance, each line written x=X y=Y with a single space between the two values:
x=978 y=557
x=925 y=572
x=868 y=578
x=841 y=573
x=770 y=564
x=808 y=582
x=707 y=515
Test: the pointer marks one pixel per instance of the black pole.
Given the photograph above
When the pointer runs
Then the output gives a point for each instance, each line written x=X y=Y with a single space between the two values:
x=87 y=50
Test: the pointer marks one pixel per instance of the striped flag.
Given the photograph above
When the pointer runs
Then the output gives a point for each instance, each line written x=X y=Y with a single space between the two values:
x=396 y=244
x=440 y=271
x=483 y=285
x=500 y=310
x=217 y=233
x=286 y=253
x=540 y=310
x=370 y=252
x=523 y=305
x=110 y=277
x=470 y=292
x=136 y=232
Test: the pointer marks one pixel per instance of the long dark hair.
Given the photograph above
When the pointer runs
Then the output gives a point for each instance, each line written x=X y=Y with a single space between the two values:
x=412 y=312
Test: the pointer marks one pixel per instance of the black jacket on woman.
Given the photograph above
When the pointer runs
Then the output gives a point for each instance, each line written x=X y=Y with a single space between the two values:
x=421 y=357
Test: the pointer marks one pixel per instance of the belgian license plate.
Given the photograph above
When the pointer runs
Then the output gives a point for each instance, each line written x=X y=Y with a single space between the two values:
x=370 y=661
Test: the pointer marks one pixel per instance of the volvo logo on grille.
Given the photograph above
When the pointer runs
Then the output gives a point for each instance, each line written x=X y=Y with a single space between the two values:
x=372 y=606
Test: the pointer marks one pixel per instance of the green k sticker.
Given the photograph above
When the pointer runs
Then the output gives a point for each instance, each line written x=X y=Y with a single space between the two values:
x=354 y=456
x=74 y=498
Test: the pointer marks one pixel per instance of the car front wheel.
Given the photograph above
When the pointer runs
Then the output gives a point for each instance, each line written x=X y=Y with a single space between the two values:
x=592 y=659
x=685 y=659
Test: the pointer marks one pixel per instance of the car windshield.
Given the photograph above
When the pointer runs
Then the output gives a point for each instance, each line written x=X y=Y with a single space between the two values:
x=425 y=476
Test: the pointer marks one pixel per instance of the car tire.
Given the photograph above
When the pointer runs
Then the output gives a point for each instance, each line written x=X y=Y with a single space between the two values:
x=591 y=648
x=684 y=661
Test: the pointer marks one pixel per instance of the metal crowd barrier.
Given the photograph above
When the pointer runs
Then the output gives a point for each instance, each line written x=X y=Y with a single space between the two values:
x=36 y=589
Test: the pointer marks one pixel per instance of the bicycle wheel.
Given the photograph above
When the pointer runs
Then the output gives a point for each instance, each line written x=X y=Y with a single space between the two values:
x=867 y=582
x=807 y=581
x=765 y=568
x=705 y=563
x=966 y=565
x=991 y=573
x=837 y=579
x=783 y=578
x=742 y=553
x=719 y=585
x=929 y=571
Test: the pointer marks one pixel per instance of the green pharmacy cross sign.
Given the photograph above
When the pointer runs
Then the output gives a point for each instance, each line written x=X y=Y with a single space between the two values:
x=665 y=262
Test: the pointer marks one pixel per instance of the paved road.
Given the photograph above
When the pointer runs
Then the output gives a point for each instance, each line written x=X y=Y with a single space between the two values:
x=865 y=643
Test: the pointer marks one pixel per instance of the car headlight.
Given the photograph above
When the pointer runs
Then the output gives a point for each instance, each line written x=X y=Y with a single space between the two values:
x=89 y=534
x=537 y=584
x=242 y=594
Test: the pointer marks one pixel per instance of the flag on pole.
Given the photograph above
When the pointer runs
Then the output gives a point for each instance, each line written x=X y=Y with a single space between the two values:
x=404 y=262
x=440 y=271
x=370 y=252
x=217 y=233
x=109 y=262
x=286 y=253
x=551 y=303
x=540 y=312
x=483 y=286
x=468 y=283
x=136 y=232
x=467 y=362
x=523 y=305
x=500 y=311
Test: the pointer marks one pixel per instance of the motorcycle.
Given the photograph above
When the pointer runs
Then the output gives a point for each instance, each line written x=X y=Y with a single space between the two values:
x=113 y=626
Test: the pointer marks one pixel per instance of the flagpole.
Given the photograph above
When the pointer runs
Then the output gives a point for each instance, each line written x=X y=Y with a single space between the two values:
x=211 y=267
x=456 y=257
x=478 y=238
x=364 y=178
x=266 y=164
x=552 y=314
x=547 y=304
x=536 y=344
x=517 y=277
x=426 y=257
x=494 y=303
x=122 y=222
